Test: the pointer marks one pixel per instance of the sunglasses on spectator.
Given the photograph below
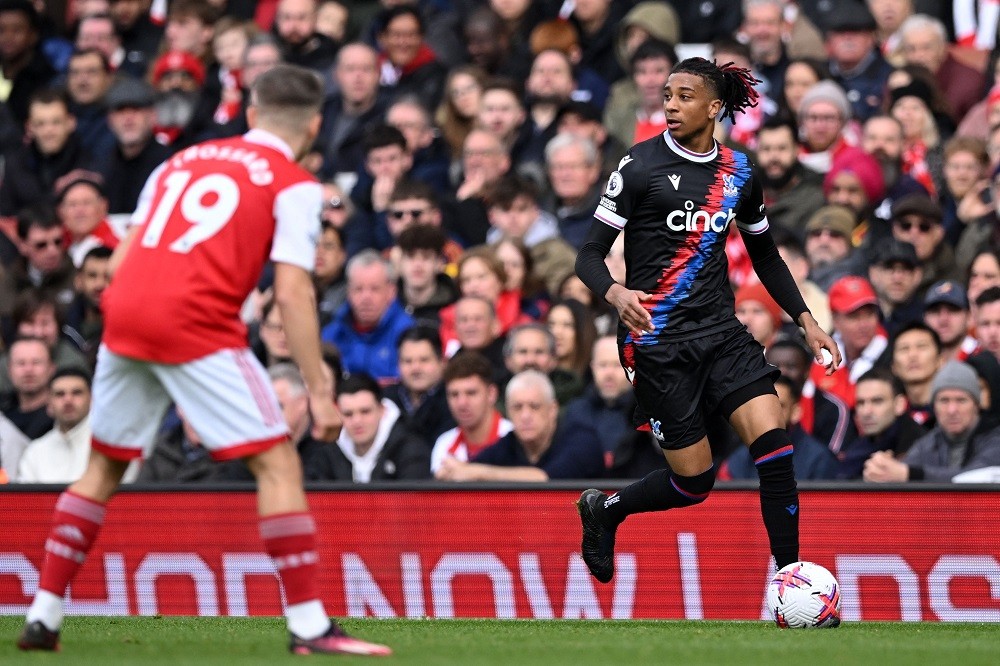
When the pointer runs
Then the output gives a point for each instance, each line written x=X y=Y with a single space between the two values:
x=42 y=244
x=816 y=233
x=400 y=214
x=334 y=203
x=906 y=225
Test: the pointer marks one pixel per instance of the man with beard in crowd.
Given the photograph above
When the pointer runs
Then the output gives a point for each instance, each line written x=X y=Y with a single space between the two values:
x=792 y=192
x=177 y=77
x=946 y=311
x=140 y=36
x=295 y=25
x=882 y=138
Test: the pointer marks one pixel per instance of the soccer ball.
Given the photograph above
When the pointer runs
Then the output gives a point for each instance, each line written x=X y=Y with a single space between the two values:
x=804 y=594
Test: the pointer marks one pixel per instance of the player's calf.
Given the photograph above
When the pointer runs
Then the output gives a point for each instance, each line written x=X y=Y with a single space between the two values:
x=779 y=495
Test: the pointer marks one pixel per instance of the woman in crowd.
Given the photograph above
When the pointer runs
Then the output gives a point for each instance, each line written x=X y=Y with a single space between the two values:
x=573 y=329
x=521 y=276
x=481 y=274
x=456 y=116
x=965 y=165
x=801 y=75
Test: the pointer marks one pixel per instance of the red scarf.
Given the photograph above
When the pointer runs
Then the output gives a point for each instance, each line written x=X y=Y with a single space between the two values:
x=425 y=56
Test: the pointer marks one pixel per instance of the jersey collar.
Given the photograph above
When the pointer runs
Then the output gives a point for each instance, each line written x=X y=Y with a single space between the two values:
x=265 y=138
x=689 y=154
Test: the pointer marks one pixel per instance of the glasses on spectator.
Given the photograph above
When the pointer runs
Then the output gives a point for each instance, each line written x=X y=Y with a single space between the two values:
x=333 y=203
x=400 y=214
x=907 y=225
x=816 y=233
x=42 y=244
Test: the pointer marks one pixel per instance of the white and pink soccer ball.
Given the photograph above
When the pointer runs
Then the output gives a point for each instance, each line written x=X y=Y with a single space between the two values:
x=804 y=595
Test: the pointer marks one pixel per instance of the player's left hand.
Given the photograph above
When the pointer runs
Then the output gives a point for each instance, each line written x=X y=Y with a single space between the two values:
x=818 y=341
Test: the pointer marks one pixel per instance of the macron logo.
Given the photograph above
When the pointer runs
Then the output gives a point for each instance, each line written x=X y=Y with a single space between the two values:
x=792 y=508
x=675 y=180
x=70 y=533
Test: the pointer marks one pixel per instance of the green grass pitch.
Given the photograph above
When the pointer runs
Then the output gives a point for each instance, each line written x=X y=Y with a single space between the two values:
x=185 y=640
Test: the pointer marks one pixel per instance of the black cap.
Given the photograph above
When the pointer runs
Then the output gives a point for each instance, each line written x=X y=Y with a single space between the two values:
x=947 y=291
x=854 y=17
x=917 y=204
x=585 y=110
x=894 y=251
x=130 y=92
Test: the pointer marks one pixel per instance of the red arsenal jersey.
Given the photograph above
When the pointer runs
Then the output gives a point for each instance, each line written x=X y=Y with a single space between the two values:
x=210 y=217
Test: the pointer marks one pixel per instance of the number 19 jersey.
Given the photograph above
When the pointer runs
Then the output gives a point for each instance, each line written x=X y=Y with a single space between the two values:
x=209 y=218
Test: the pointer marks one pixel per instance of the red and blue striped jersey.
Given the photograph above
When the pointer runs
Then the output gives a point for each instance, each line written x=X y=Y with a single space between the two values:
x=676 y=207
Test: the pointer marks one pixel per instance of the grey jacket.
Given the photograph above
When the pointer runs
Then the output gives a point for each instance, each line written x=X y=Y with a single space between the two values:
x=929 y=461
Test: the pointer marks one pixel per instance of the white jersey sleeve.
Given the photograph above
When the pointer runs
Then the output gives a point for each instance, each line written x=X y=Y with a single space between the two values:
x=145 y=200
x=297 y=211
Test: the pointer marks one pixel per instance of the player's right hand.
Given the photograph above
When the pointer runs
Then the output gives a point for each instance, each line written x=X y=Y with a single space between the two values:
x=326 y=418
x=629 y=302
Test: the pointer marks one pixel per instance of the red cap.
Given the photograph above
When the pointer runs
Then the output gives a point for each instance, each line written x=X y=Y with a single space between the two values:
x=757 y=292
x=174 y=61
x=850 y=293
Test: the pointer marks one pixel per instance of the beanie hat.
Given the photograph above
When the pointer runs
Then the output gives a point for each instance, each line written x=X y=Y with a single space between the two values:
x=864 y=167
x=956 y=375
x=757 y=292
x=826 y=91
x=915 y=88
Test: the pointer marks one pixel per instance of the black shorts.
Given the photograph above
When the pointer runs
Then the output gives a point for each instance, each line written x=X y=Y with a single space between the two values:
x=678 y=385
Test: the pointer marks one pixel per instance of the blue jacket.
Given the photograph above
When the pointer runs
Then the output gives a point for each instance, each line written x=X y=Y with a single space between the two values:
x=373 y=352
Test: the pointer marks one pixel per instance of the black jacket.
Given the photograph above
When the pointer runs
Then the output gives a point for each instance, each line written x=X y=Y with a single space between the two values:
x=404 y=457
x=124 y=177
x=428 y=420
x=38 y=73
x=29 y=175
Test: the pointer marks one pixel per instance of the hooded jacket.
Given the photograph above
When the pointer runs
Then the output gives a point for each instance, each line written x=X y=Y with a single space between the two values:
x=395 y=455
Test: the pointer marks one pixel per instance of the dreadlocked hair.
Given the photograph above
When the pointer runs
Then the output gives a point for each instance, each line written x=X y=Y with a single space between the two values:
x=733 y=85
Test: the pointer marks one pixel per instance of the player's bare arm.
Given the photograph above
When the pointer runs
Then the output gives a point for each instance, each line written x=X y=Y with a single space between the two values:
x=295 y=297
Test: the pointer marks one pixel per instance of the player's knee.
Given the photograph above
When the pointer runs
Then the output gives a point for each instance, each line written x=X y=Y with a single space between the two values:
x=774 y=446
x=695 y=489
x=278 y=465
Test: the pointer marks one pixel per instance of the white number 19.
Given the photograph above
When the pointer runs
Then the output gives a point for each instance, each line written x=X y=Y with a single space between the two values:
x=206 y=221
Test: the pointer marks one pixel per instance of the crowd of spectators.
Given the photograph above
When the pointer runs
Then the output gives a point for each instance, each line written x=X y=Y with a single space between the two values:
x=463 y=149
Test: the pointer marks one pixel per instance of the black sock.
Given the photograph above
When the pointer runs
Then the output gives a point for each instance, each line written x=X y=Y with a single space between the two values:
x=779 y=496
x=658 y=491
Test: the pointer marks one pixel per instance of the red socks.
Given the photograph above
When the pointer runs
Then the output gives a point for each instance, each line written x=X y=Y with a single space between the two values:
x=75 y=524
x=290 y=540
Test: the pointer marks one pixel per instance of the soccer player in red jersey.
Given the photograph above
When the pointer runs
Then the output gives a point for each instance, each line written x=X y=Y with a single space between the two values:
x=207 y=221
x=675 y=196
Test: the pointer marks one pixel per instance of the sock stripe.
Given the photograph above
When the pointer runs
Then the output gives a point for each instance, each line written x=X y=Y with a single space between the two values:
x=786 y=450
x=293 y=560
x=81 y=507
x=690 y=496
x=60 y=549
x=289 y=524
